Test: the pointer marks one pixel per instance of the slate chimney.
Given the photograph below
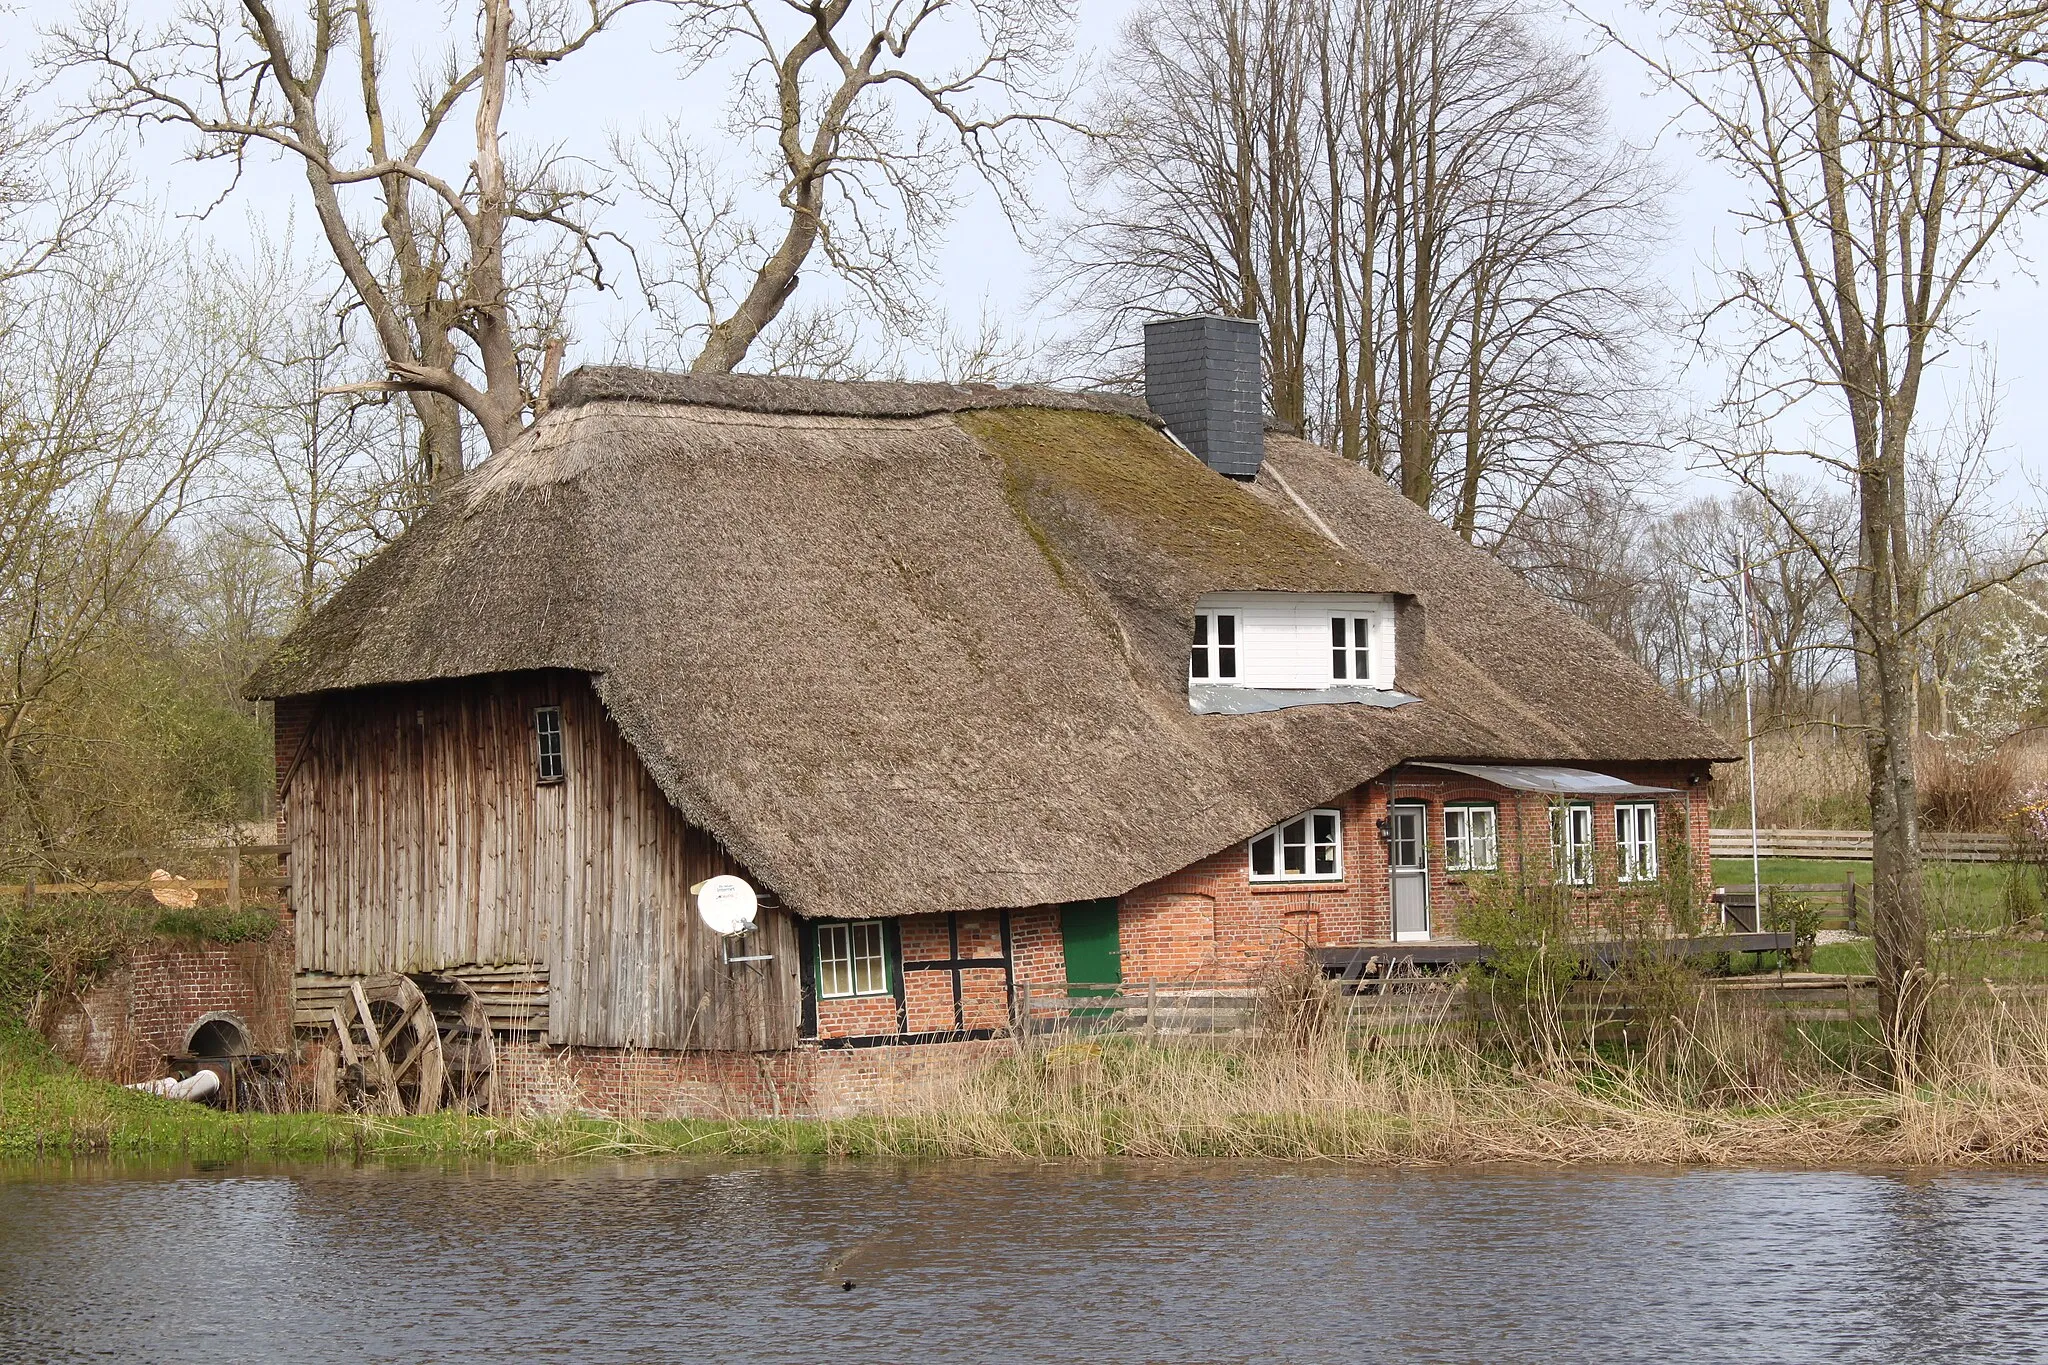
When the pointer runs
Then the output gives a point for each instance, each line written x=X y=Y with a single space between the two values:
x=1203 y=378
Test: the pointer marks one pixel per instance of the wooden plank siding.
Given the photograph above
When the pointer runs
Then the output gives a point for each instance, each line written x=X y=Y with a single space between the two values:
x=419 y=840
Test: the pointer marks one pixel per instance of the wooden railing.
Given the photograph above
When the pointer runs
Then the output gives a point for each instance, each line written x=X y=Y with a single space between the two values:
x=1853 y=845
x=1414 y=1015
x=1840 y=903
x=237 y=872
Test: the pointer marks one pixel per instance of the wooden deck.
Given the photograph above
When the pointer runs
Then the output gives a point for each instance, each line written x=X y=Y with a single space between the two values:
x=1364 y=960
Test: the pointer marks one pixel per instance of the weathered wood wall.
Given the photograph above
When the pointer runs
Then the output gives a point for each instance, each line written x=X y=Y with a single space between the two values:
x=419 y=840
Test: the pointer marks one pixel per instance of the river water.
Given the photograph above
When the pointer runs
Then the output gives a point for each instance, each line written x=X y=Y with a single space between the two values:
x=662 y=1262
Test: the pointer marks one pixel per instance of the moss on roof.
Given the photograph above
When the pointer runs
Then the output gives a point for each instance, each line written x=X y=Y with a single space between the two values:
x=1124 y=470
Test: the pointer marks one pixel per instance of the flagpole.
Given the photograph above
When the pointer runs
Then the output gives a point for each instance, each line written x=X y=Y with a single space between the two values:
x=1756 y=862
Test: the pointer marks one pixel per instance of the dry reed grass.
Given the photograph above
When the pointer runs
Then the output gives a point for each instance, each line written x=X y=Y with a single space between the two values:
x=1808 y=778
x=1814 y=778
x=1723 y=1085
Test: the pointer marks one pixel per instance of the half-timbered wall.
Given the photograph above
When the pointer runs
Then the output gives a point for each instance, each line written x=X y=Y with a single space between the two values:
x=419 y=839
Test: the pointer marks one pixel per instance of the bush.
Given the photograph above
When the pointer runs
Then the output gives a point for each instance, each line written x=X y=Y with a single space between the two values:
x=57 y=947
x=1800 y=917
x=1963 y=787
x=1533 y=956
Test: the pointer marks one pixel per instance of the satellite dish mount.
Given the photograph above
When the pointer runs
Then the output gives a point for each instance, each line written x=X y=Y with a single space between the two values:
x=727 y=906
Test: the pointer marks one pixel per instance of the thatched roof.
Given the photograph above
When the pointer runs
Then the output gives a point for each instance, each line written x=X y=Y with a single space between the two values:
x=913 y=647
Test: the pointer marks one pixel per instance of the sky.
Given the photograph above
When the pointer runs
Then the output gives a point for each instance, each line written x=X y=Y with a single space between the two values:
x=628 y=79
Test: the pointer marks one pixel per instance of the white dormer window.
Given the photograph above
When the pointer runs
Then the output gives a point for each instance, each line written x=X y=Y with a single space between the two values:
x=1282 y=642
x=1214 y=655
x=1351 y=649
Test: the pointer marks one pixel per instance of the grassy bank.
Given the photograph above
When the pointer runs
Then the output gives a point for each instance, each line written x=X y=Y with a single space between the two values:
x=1714 y=1090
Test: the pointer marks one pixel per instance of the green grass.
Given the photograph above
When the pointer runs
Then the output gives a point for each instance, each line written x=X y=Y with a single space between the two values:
x=1967 y=907
x=50 y=1109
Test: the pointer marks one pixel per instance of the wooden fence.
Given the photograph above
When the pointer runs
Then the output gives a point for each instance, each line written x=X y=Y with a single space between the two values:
x=233 y=871
x=1853 y=845
x=1841 y=904
x=1416 y=1014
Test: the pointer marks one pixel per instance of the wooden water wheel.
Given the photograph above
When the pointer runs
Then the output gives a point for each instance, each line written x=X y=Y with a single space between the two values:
x=468 y=1056
x=391 y=1046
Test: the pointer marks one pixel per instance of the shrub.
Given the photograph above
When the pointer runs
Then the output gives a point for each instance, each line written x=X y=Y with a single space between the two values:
x=1533 y=956
x=1800 y=917
x=56 y=947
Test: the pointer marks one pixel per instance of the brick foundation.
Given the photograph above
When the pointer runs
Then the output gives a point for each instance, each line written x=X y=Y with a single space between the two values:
x=805 y=1083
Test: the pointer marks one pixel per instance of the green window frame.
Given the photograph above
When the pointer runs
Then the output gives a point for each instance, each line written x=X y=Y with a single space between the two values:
x=1471 y=836
x=852 y=959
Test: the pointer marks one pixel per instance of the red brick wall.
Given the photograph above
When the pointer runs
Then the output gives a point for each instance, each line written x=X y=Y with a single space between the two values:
x=928 y=992
x=805 y=1083
x=122 y=1028
x=1209 y=921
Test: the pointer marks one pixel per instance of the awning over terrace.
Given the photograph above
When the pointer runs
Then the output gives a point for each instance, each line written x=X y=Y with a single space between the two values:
x=1529 y=777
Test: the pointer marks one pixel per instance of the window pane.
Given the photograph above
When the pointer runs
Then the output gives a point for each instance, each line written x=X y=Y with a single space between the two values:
x=1482 y=854
x=1262 y=855
x=1198 y=662
x=835 y=966
x=870 y=969
x=1361 y=651
x=1326 y=845
x=1201 y=630
x=1337 y=642
x=1455 y=854
x=1226 y=630
x=547 y=729
x=1294 y=848
x=1226 y=662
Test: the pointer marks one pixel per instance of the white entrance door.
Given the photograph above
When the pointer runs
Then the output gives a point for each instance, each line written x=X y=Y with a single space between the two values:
x=1409 y=859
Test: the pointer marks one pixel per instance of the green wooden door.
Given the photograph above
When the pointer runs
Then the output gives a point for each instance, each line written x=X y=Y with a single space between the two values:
x=1088 y=929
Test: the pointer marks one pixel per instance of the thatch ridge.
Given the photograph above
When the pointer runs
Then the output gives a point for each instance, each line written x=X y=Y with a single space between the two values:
x=788 y=394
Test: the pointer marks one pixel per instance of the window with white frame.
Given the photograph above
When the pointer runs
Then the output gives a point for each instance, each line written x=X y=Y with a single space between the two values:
x=1571 y=844
x=852 y=960
x=1213 y=656
x=1471 y=837
x=1351 y=648
x=1635 y=840
x=1309 y=847
x=548 y=765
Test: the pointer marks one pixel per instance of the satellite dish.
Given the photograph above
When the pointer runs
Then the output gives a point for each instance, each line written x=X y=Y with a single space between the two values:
x=726 y=904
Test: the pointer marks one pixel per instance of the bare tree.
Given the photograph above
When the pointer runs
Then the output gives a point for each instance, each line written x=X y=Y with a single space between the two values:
x=1418 y=201
x=461 y=279
x=322 y=478
x=1870 y=229
x=863 y=135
